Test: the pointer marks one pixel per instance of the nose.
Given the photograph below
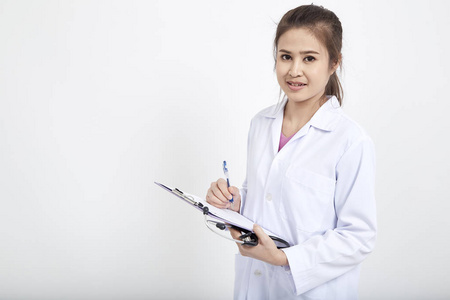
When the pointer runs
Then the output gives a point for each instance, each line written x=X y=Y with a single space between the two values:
x=295 y=69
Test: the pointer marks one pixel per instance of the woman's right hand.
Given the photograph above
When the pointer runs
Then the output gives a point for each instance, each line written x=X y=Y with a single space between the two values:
x=219 y=195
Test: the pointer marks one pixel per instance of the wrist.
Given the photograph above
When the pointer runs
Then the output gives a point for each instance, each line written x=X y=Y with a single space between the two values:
x=281 y=258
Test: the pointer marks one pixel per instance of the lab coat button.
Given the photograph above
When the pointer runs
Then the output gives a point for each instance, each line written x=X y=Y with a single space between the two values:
x=257 y=273
x=269 y=197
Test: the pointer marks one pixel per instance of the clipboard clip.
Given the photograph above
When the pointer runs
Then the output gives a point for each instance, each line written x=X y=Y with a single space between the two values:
x=189 y=199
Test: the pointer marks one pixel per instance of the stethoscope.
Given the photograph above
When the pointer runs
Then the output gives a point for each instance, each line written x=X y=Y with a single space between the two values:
x=247 y=238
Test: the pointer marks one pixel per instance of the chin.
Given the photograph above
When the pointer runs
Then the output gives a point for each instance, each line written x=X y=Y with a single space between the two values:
x=297 y=98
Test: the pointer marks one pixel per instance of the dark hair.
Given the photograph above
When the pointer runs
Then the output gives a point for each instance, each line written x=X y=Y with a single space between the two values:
x=326 y=27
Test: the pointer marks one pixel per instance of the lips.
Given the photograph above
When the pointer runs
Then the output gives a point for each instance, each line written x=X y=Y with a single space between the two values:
x=296 y=86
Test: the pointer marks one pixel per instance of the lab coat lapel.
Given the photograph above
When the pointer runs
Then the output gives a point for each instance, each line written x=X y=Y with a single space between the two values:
x=302 y=132
x=276 y=129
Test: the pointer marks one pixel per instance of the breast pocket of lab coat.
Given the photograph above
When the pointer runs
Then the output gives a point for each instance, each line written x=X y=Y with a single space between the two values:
x=306 y=198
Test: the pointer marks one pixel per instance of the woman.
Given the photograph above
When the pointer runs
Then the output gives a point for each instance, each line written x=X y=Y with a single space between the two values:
x=310 y=174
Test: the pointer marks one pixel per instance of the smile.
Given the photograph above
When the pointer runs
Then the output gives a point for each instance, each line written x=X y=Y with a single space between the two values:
x=295 y=86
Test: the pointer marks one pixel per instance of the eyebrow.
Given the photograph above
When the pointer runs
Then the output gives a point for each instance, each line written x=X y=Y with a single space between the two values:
x=301 y=52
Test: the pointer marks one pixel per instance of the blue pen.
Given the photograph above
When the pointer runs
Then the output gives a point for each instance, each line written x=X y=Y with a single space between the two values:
x=225 y=171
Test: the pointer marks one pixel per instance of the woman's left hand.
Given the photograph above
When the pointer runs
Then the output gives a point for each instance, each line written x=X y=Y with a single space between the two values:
x=266 y=250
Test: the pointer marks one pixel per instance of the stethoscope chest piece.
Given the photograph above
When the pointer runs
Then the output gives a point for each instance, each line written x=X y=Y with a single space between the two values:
x=249 y=239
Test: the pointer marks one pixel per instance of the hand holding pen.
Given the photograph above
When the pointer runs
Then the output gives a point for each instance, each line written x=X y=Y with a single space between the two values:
x=222 y=195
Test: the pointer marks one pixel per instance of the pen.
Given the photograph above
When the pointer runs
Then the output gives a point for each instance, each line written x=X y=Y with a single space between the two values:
x=225 y=171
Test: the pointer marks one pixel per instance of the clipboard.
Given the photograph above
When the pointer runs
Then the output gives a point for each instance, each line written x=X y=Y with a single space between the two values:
x=226 y=216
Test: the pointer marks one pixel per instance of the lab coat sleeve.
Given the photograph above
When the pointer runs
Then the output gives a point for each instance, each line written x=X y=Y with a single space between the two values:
x=325 y=257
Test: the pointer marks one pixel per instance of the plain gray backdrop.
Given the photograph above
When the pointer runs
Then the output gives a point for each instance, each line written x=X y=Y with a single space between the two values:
x=98 y=99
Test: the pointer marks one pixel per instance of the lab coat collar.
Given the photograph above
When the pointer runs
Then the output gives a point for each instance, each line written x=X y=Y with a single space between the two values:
x=325 y=118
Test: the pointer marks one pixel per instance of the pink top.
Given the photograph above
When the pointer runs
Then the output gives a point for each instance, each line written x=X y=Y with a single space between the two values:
x=283 y=140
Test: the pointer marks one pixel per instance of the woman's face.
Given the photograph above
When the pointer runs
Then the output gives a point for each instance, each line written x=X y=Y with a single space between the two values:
x=302 y=66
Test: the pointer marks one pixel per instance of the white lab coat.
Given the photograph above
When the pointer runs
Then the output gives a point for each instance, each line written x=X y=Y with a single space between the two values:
x=318 y=194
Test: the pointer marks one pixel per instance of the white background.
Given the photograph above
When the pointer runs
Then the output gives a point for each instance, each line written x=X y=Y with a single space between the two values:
x=98 y=99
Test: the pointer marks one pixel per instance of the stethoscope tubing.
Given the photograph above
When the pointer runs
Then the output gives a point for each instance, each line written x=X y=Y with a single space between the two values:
x=248 y=238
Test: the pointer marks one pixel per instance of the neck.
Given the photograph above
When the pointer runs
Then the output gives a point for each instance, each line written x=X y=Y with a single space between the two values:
x=296 y=115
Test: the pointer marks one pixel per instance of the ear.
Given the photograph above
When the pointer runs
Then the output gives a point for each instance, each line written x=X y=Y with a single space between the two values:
x=335 y=65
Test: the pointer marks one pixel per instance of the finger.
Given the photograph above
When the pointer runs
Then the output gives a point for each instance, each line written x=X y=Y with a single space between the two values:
x=213 y=200
x=235 y=233
x=262 y=236
x=223 y=186
x=235 y=192
x=217 y=191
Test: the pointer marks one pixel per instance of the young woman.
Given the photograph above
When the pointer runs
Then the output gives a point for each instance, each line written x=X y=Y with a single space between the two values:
x=310 y=174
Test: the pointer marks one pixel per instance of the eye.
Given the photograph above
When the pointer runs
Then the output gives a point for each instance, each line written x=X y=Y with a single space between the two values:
x=285 y=57
x=309 y=59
